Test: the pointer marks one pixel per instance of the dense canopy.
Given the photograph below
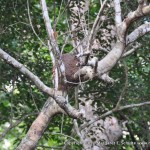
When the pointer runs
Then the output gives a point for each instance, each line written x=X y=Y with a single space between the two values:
x=104 y=95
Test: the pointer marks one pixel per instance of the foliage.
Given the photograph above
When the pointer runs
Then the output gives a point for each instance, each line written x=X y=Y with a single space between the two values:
x=19 y=96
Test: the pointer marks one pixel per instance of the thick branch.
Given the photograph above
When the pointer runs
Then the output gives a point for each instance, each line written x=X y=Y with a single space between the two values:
x=49 y=110
x=57 y=95
x=10 y=60
x=140 y=12
x=50 y=31
x=58 y=64
x=109 y=61
x=71 y=111
x=118 y=19
x=138 y=32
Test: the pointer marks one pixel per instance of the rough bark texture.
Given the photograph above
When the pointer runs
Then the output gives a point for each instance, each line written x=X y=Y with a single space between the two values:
x=49 y=110
x=108 y=129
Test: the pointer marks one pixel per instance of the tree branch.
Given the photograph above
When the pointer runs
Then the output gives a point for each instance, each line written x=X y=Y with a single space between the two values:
x=117 y=7
x=95 y=25
x=112 y=111
x=58 y=63
x=105 y=77
x=10 y=60
x=57 y=95
x=49 y=110
x=78 y=133
x=31 y=24
x=109 y=61
x=133 y=49
x=50 y=32
x=138 y=32
x=140 y=12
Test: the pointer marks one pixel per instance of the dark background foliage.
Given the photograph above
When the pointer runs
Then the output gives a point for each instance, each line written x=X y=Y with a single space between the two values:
x=19 y=97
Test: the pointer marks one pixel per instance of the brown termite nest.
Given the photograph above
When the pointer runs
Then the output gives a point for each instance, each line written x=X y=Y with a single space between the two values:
x=73 y=72
x=70 y=61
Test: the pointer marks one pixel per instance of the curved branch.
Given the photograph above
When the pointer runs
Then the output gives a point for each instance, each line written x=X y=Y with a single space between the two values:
x=134 y=35
x=110 y=60
x=31 y=24
x=57 y=95
x=140 y=12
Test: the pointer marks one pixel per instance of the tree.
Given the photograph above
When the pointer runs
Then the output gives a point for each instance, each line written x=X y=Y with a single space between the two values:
x=88 y=42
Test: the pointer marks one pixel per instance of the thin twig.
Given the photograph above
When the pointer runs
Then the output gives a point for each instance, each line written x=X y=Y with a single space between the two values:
x=125 y=86
x=13 y=125
x=53 y=133
x=133 y=49
x=96 y=23
x=28 y=7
